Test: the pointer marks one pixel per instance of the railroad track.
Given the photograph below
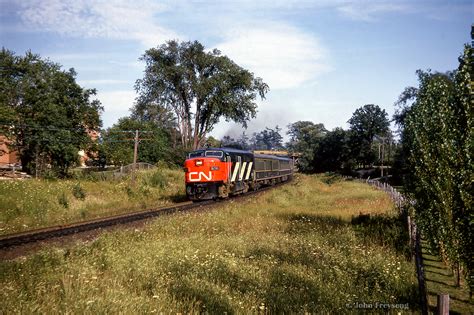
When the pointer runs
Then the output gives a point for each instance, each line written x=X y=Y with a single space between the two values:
x=47 y=233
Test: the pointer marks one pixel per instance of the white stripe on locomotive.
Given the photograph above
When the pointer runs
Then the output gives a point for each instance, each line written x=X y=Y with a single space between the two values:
x=236 y=170
x=242 y=170
x=249 y=169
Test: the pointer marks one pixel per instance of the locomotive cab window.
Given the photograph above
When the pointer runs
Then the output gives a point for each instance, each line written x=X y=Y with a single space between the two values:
x=218 y=154
x=196 y=154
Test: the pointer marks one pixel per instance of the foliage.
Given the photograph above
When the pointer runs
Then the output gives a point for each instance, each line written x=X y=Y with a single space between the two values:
x=36 y=203
x=291 y=250
x=180 y=76
x=367 y=122
x=158 y=179
x=63 y=200
x=267 y=139
x=154 y=145
x=439 y=136
x=305 y=138
x=333 y=152
x=46 y=114
x=212 y=142
x=242 y=143
x=78 y=192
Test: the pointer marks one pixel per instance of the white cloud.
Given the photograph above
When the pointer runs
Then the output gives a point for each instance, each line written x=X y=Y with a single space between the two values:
x=282 y=55
x=121 y=19
x=369 y=11
x=101 y=82
x=116 y=104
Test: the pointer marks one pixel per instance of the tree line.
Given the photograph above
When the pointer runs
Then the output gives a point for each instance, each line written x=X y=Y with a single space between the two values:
x=437 y=123
x=185 y=90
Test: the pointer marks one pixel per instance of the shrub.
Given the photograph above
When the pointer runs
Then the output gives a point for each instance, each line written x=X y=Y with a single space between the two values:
x=63 y=201
x=158 y=179
x=78 y=192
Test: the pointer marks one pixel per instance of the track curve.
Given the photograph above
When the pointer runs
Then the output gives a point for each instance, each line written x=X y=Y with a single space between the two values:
x=58 y=231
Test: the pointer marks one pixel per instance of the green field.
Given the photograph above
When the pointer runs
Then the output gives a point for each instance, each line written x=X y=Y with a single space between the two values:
x=314 y=245
x=34 y=203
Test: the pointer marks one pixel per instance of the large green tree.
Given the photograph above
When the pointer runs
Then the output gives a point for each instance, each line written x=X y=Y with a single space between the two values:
x=267 y=139
x=44 y=112
x=305 y=137
x=438 y=136
x=333 y=152
x=367 y=122
x=199 y=87
x=154 y=143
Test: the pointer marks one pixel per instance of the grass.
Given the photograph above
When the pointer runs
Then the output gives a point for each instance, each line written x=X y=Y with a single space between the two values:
x=308 y=246
x=441 y=279
x=29 y=204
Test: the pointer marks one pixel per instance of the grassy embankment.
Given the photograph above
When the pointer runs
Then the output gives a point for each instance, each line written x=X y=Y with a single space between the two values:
x=29 y=204
x=302 y=247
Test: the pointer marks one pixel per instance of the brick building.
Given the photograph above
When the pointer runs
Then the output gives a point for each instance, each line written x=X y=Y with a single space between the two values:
x=7 y=157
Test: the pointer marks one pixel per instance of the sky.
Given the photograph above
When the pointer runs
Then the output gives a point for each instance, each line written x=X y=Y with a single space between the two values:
x=322 y=59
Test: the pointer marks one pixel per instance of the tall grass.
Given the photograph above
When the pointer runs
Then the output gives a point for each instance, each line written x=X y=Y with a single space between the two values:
x=34 y=203
x=296 y=249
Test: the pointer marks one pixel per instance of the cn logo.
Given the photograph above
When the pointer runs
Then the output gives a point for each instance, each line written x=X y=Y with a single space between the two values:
x=198 y=176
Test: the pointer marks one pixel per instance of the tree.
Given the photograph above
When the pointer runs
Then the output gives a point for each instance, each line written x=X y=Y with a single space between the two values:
x=438 y=133
x=183 y=76
x=241 y=143
x=305 y=137
x=44 y=112
x=268 y=139
x=366 y=122
x=333 y=152
x=157 y=114
x=212 y=142
x=154 y=146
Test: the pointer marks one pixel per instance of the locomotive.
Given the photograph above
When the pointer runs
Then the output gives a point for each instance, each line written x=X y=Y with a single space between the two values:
x=213 y=173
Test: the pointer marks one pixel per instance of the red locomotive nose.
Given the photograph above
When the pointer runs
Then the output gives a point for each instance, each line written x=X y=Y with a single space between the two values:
x=206 y=169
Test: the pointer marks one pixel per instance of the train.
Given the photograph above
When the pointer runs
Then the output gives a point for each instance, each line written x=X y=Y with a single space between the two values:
x=216 y=173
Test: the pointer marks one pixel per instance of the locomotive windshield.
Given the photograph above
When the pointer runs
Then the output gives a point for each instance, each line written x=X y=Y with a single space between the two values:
x=218 y=154
x=209 y=153
x=196 y=154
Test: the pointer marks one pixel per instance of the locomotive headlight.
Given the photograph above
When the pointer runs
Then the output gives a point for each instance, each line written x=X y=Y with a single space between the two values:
x=198 y=162
x=214 y=168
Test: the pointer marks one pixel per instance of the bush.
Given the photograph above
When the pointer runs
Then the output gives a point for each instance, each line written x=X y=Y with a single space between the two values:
x=158 y=179
x=63 y=201
x=78 y=192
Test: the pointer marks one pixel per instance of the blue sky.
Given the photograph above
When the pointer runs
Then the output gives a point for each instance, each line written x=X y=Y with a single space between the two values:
x=322 y=59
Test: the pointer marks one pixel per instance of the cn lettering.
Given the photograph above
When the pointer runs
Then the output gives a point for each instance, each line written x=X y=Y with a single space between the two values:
x=198 y=176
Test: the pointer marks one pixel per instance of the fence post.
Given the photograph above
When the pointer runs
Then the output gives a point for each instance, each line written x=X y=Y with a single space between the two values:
x=409 y=231
x=443 y=304
x=420 y=272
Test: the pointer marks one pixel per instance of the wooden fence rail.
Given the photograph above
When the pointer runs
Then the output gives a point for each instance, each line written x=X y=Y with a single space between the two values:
x=403 y=203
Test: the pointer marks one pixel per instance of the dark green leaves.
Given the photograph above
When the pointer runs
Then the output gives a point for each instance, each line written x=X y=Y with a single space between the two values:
x=439 y=134
x=183 y=76
x=44 y=111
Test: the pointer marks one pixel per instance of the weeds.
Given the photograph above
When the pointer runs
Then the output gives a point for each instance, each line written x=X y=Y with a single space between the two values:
x=78 y=192
x=63 y=201
x=35 y=203
x=306 y=256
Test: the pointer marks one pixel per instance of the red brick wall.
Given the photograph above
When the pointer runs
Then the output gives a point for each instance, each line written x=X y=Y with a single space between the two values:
x=7 y=157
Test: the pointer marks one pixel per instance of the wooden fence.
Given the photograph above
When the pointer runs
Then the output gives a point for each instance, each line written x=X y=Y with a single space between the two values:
x=118 y=173
x=403 y=204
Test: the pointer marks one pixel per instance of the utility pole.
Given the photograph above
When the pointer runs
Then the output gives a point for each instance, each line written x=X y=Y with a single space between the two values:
x=383 y=155
x=135 y=153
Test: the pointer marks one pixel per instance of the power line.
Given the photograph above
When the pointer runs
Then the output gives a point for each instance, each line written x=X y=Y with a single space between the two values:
x=78 y=129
